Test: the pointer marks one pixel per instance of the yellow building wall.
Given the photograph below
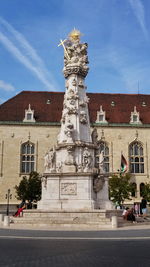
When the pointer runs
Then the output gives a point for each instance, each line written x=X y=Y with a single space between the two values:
x=12 y=136
x=119 y=139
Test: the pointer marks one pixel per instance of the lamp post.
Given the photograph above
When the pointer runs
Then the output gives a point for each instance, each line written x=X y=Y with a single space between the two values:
x=8 y=197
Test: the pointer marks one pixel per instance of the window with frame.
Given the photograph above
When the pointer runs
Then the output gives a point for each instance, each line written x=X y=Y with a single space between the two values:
x=134 y=190
x=27 y=157
x=29 y=115
x=135 y=117
x=101 y=116
x=103 y=146
x=136 y=158
x=142 y=187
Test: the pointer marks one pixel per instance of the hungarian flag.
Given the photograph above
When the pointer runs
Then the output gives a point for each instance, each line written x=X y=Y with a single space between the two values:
x=124 y=164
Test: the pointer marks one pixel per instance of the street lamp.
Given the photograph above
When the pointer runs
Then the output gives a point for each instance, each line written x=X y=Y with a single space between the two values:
x=8 y=197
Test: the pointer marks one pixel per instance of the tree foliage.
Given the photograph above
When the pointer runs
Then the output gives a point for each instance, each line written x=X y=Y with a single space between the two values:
x=146 y=192
x=29 y=188
x=120 y=188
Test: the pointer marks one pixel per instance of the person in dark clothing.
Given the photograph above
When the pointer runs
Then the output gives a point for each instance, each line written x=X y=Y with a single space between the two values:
x=22 y=204
x=144 y=207
x=130 y=215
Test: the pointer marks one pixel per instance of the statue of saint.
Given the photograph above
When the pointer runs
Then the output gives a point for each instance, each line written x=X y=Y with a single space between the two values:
x=49 y=159
x=87 y=159
x=68 y=131
x=94 y=136
x=101 y=162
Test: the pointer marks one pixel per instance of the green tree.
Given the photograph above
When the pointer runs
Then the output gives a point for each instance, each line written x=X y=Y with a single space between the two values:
x=21 y=190
x=146 y=192
x=29 y=188
x=120 y=188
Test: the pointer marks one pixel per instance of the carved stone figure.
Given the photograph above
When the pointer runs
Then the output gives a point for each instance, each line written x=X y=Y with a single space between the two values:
x=81 y=84
x=80 y=168
x=75 y=56
x=68 y=131
x=59 y=167
x=77 y=53
x=72 y=109
x=94 y=136
x=101 y=162
x=46 y=160
x=82 y=104
x=74 y=83
x=72 y=94
x=87 y=159
x=83 y=117
x=49 y=160
x=68 y=188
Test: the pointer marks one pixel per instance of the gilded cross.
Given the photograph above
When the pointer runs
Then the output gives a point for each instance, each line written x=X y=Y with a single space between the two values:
x=62 y=43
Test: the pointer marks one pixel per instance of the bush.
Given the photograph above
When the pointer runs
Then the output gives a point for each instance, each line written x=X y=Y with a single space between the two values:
x=120 y=188
x=29 y=188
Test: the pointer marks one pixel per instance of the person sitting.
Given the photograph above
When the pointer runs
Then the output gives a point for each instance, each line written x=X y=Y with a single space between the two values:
x=20 y=209
x=130 y=215
x=125 y=212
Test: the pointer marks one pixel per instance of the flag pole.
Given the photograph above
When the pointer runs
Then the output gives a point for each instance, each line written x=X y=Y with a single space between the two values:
x=120 y=162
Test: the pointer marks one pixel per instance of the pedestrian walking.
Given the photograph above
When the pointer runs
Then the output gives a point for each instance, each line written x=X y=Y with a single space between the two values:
x=144 y=207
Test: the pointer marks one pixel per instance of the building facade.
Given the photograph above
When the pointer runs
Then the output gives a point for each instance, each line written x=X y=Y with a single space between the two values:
x=30 y=123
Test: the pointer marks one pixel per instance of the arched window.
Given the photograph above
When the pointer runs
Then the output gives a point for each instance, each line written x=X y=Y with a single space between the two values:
x=134 y=190
x=103 y=146
x=136 y=158
x=142 y=185
x=27 y=157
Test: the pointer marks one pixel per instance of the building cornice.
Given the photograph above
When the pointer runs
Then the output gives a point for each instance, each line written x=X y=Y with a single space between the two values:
x=95 y=124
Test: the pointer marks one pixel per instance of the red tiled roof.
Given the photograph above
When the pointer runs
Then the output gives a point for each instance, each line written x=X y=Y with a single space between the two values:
x=14 y=108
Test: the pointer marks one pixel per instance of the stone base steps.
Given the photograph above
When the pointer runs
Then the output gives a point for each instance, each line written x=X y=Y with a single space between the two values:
x=57 y=221
x=70 y=219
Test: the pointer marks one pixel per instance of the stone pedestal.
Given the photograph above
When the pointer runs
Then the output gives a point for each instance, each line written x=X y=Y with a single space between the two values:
x=67 y=192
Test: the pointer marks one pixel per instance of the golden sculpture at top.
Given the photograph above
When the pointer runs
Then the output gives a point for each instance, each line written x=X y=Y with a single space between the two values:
x=74 y=35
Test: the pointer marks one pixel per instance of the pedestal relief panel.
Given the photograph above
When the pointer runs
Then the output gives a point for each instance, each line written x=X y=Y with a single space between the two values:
x=68 y=189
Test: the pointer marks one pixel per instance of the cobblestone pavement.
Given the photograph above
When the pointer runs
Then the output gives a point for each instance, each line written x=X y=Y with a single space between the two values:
x=74 y=249
x=67 y=253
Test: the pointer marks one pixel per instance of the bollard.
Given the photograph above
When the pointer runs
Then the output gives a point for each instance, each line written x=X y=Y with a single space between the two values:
x=1 y=218
x=114 y=221
x=6 y=221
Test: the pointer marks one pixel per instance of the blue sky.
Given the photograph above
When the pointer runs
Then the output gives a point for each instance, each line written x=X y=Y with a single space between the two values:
x=117 y=32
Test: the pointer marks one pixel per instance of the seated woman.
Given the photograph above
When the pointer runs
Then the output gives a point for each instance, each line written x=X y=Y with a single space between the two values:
x=21 y=207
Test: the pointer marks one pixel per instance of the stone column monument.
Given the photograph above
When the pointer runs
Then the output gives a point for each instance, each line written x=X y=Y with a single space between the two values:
x=72 y=180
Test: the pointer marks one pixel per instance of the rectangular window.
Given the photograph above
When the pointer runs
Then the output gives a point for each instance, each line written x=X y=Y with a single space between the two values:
x=101 y=117
x=27 y=157
x=134 y=118
x=29 y=116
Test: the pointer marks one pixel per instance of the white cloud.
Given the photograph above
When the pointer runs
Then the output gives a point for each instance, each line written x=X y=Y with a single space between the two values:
x=6 y=86
x=26 y=54
x=139 y=12
x=131 y=74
